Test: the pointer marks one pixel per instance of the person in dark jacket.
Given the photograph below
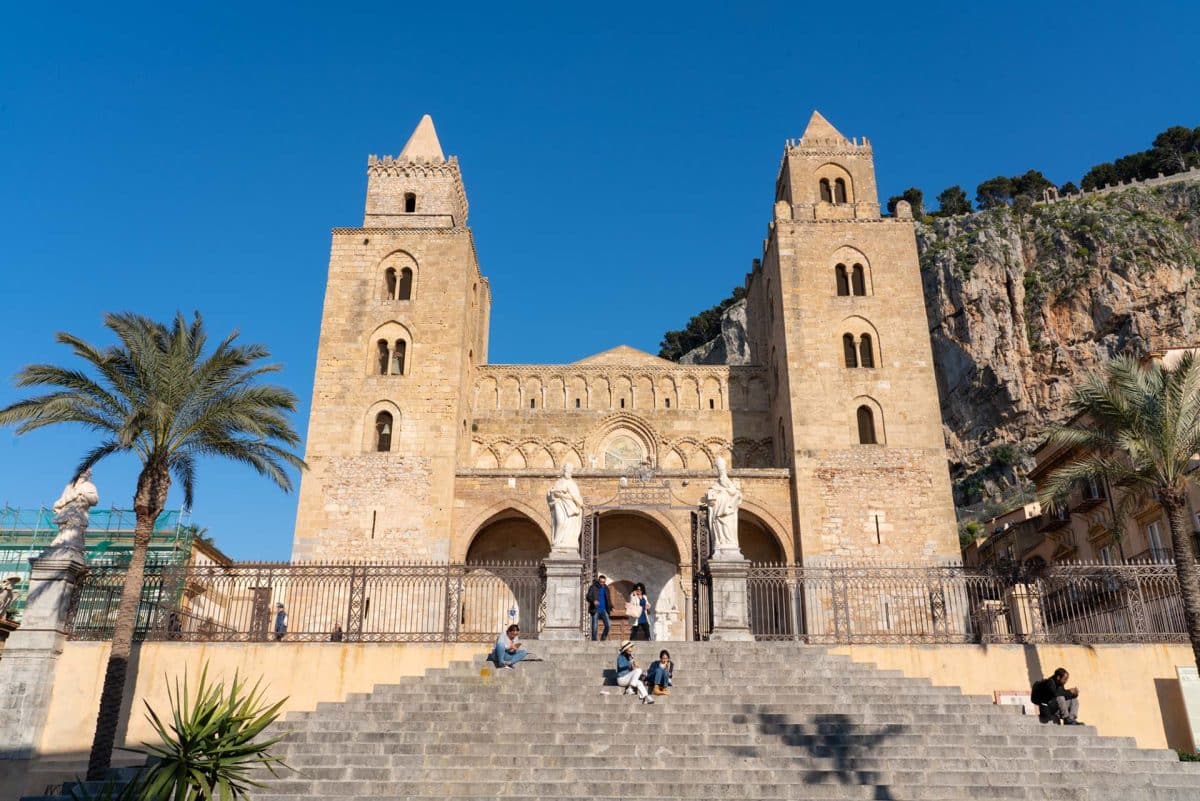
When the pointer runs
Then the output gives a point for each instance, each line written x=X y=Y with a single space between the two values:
x=660 y=674
x=1055 y=701
x=600 y=605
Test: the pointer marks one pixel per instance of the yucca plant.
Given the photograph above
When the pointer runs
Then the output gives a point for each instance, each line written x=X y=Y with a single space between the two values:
x=210 y=748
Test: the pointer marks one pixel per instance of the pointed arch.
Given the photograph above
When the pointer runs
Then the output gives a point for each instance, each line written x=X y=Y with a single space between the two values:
x=398 y=271
x=381 y=427
x=389 y=350
x=869 y=426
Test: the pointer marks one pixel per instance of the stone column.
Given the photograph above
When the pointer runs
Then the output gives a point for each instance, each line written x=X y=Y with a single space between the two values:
x=730 y=599
x=1025 y=611
x=564 y=576
x=32 y=651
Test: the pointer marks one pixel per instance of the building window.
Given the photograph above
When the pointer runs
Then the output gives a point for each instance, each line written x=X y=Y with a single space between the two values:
x=389 y=283
x=382 y=355
x=383 y=432
x=668 y=402
x=858 y=279
x=839 y=191
x=843 y=283
x=866 y=426
x=1107 y=555
x=866 y=356
x=1154 y=540
x=399 y=351
x=712 y=403
x=577 y=403
x=404 y=290
x=622 y=403
x=410 y=202
x=826 y=192
x=849 y=351
x=532 y=403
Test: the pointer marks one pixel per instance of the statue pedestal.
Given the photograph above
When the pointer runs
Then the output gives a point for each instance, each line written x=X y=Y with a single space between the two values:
x=31 y=652
x=564 y=575
x=730 y=599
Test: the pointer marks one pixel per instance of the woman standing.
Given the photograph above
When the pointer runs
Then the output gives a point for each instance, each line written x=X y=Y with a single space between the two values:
x=640 y=623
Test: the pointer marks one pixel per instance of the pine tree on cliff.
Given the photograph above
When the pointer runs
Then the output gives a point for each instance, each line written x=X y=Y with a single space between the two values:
x=157 y=396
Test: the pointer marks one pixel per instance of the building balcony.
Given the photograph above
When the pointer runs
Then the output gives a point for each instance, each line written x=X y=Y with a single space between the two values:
x=1052 y=521
x=1155 y=555
x=1089 y=500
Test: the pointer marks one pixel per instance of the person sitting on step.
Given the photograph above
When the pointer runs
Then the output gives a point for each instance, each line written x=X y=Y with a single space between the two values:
x=629 y=675
x=508 y=651
x=660 y=674
x=1055 y=701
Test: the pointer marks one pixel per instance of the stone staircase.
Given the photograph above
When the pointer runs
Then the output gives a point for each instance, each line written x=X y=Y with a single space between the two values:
x=744 y=721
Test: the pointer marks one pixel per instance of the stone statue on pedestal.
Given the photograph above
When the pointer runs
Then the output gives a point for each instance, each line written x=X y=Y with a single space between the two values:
x=71 y=513
x=566 y=515
x=8 y=596
x=723 y=499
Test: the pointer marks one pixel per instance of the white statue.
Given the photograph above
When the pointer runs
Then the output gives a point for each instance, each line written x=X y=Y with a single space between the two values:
x=566 y=514
x=8 y=596
x=723 y=499
x=71 y=512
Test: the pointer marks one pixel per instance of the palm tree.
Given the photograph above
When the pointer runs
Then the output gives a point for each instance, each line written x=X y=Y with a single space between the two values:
x=157 y=395
x=1137 y=427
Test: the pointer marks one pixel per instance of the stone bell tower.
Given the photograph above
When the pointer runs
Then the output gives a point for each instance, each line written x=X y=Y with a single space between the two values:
x=403 y=327
x=854 y=401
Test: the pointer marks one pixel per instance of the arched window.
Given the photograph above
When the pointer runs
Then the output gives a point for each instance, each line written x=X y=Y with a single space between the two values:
x=849 y=351
x=404 y=290
x=866 y=426
x=858 y=278
x=843 y=284
x=398 y=353
x=383 y=432
x=866 y=356
x=382 y=354
x=410 y=202
x=826 y=192
x=389 y=283
x=839 y=191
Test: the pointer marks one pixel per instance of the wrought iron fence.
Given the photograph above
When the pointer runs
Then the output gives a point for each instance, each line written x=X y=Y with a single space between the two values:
x=319 y=602
x=1073 y=603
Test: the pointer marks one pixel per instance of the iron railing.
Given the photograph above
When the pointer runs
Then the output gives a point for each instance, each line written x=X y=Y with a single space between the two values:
x=1068 y=603
x=343 y=602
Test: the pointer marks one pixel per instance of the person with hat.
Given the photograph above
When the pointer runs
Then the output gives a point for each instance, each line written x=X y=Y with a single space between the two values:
x=280 y=622
x=600 y=605
x=629 y=675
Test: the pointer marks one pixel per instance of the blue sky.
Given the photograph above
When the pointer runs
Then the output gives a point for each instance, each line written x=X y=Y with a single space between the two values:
x=621 y=158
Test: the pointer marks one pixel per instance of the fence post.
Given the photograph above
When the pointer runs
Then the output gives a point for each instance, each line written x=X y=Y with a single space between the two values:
x=32 y=651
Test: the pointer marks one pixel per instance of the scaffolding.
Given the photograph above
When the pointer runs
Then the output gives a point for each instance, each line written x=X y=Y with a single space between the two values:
x=26 y=531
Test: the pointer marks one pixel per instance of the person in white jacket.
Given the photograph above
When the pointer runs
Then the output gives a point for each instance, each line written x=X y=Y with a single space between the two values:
x=629 y=674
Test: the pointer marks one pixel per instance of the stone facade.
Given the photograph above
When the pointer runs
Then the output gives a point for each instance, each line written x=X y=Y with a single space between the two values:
x=421 y=450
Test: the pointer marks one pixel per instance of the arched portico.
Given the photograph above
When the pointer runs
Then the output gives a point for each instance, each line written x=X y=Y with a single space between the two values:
x=633 y=547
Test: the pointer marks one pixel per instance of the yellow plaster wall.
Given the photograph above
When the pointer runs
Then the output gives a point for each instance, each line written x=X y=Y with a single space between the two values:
x=1124 y=690
x=306 y=673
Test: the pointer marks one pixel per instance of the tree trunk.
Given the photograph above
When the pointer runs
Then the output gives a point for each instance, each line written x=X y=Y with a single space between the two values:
x=1186 y=567
x=151 y=497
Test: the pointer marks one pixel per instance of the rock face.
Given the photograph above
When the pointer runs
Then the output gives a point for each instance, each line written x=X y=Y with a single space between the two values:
x=1021 y=302
x=731 y=347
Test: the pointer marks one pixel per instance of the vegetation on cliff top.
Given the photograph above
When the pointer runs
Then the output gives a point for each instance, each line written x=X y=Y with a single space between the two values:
x=704 y=327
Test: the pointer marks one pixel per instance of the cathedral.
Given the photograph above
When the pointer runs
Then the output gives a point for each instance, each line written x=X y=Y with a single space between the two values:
x=422 y=450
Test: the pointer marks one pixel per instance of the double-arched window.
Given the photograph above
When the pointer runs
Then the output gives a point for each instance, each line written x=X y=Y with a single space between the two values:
x=858 y=352
x=390 y=357
x=850 y=281
x=397 y=284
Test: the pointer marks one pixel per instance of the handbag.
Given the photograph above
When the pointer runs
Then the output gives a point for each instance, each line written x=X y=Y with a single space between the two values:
x=633 y=611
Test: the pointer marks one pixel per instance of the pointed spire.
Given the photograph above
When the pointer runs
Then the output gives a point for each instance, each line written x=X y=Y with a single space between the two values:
x=820 y=128
x=423 y=145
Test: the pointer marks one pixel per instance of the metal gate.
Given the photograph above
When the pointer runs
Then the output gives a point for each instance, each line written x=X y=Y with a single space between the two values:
x=701 y=580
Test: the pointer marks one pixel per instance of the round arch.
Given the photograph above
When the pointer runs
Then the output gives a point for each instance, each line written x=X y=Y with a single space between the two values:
x=643 y=546
x=368 y=425
x=764 y=534
x=507 y=535
x=398 y=261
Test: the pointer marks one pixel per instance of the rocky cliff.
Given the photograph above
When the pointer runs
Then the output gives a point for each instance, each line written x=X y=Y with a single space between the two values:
x=1022 y=301
x=732 y=346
